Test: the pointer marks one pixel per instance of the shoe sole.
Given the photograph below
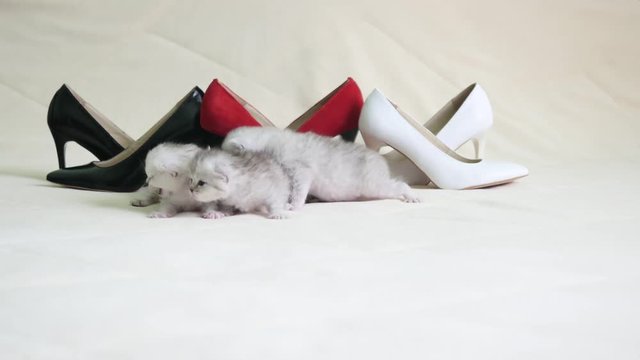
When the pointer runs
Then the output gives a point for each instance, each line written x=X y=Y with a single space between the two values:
x=496 y=183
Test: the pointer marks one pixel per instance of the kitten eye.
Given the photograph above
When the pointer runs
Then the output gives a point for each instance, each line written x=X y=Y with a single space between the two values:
x=201 y=183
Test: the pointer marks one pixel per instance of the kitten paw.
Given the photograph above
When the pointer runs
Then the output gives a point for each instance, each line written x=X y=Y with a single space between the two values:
x=278 y=215
x=159 y=215
x=140 y=203
x=411 y=199
x=213 y=215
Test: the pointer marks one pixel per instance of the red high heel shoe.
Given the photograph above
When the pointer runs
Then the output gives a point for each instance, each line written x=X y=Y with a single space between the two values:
x=336 y=114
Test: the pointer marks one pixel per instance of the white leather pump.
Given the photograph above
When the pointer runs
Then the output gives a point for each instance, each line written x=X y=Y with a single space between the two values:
x=466 y=117
x=381 y=123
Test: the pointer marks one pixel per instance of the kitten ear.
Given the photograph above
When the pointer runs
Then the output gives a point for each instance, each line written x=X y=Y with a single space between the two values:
x=222 y=176
x=220 y=172
x=236 y=147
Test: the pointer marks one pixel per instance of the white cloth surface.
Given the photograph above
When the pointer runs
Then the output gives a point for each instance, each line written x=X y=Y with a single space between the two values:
x=545 y=268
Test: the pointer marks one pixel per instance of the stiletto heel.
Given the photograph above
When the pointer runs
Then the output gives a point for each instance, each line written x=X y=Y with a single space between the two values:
x=125 y=171
x=70 y=118
x=60 y=142
x=479 y=143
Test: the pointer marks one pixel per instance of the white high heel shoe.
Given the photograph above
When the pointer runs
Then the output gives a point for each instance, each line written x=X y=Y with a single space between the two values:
x=466 y=117
x=381 y=123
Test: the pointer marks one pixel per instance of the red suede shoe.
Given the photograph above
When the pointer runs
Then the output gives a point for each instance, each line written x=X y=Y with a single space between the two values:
x=336 y=114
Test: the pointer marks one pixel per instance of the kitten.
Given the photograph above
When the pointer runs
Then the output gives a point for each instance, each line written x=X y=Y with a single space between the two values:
x=167 y=168
x=330 y=169
x=248 y=183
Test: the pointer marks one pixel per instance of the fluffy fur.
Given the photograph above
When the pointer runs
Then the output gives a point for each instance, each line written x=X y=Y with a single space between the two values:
x=248 y=183
x=167 y=168
x=328 y=168
x=145 y=196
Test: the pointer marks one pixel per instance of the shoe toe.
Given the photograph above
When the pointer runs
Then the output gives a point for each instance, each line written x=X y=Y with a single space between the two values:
x=71 y=176
x=500 y=172
x=92 y=177
x=513 y=170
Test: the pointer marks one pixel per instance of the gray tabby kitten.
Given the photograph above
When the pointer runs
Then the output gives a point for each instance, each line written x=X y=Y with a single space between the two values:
x=248 y=183
x=328 y=168
x=167 y=168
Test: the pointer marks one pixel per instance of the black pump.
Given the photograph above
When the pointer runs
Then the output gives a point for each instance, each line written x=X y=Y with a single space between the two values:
x=125 y=171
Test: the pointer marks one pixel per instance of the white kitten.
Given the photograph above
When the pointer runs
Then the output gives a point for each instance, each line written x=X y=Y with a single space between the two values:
x=328 y=168
x=248 y=183
x=167 y=168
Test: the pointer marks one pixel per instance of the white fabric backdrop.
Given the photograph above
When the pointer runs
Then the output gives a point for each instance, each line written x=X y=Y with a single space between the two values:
x=543 y=268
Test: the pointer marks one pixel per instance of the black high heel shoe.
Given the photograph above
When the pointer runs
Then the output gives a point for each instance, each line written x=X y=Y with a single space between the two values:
x=70 y=118
x=125 y=171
